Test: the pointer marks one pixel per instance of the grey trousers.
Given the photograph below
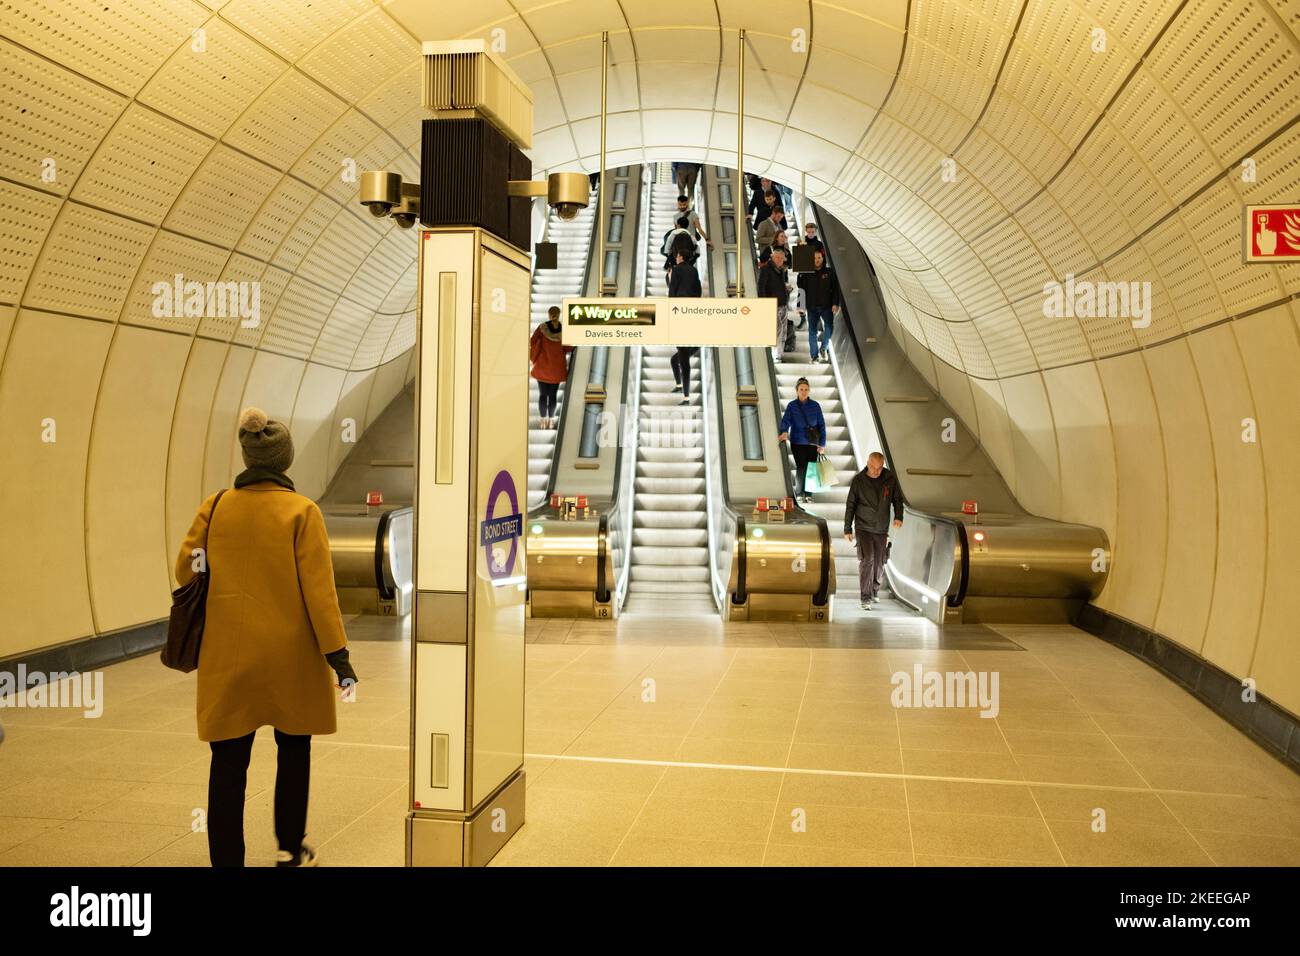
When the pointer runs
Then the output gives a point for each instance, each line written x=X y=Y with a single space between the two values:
x=871 y=562
x=784 y=329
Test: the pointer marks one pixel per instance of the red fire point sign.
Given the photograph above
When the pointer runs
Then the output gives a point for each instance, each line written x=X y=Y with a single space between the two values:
x=1272 y=233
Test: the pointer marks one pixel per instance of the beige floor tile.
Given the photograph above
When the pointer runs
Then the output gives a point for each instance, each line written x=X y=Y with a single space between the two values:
x=160 y=804
x=1089 y=746
x=82 y=843
x=701 y=819
x=373 y=840
x=1259 y=816
x=842 y=790
x=988 y=837
x=600 y=777
x=1247 y=849
x=627 y=746
x=364 y=760
x=767 y=729
x=1202 y=777
x=60 y=799
x=822 y=730
x=953 y=763
x=733 y=751
x=861 y=828
x=1123 y=807
x=808 y=856
x=932 y=860
x=810 y=756
x=1046 y=721
x=945 y=796
x=651 y=719
x=984 y=738
x=700 y=783
x=1127 y=845
x=654 y=851
x=1079 y=770
x=16 y=830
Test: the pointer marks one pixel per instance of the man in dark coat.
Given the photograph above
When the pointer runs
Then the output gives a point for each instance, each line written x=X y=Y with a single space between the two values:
x=873 y=493
x=684 y=283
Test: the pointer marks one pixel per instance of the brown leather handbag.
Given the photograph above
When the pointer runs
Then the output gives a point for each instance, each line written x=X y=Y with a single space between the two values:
x=189 y=611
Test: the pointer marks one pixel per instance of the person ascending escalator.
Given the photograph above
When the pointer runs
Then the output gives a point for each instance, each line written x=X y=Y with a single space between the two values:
x=678 y=240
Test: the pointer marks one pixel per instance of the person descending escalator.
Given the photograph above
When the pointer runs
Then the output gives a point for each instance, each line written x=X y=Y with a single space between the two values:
x=804 y=426
x=684 y=283
x=761 y=202
x=873 y=493
x=821 y=300
x=774 y=283
x=549 y=365
x=765 y=235
x=685 y=175
x=810 y=236
x=693 y=219
x=271 y=635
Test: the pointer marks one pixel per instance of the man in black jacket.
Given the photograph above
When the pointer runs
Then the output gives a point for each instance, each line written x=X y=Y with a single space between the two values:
x=684 y=280
x=873 y=493
x=773 y=283
x=821 y=302
x=684 y=283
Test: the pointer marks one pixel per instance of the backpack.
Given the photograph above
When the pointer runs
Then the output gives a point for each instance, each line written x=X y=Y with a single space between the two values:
x=684 y=244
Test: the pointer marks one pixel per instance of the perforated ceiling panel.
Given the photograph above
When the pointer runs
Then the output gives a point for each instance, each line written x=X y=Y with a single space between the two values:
x=142 y=165
x=209 y=89
x=88 y=263
x=25 y=217
x=118 y=44
x=53 y=119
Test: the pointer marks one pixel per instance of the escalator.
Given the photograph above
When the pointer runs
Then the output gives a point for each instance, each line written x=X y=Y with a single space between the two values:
x=670 y=545
x=573 y=239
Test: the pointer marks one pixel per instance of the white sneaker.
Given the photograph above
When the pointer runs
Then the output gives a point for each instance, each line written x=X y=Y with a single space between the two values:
x=306 y=858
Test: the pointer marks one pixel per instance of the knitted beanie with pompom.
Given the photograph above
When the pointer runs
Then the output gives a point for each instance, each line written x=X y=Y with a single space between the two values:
x=264 y=442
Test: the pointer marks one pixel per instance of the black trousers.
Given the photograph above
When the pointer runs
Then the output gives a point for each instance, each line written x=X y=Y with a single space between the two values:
x=804 y=455
x=681 y=365
x=873 y=549
x=546 y=395
x=228 y=782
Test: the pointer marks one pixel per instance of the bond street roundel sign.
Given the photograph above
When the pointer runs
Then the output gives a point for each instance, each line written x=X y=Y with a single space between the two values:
x=500 y=536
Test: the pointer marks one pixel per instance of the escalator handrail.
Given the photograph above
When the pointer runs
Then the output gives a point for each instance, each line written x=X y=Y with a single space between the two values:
x=823 y=590
x=630 y=397
x=554 y=471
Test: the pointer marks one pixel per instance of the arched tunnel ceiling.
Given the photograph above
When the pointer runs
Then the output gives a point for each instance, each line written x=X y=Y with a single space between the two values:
x=212 y=139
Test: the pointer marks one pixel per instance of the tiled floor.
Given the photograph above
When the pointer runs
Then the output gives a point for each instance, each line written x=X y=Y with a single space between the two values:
x=757 y=744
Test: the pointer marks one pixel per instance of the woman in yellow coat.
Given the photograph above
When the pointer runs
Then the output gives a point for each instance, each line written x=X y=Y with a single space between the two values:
x=273 y=631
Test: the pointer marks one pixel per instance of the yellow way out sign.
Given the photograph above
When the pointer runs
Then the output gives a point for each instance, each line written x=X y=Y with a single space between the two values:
x=664 y=321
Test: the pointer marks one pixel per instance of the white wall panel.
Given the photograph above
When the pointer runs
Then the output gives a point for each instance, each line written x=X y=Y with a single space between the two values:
x=311 y=429
x=1141 y=520
x=189 y=438
x=1271 y=355
x=126 y=480
x=51 y=374
x=1242 y=509
x=1038 y=468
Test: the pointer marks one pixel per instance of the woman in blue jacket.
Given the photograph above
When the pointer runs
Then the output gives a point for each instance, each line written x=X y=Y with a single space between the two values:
x=805 y=428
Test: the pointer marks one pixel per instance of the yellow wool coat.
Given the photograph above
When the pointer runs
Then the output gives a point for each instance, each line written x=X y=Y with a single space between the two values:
x=272 y=614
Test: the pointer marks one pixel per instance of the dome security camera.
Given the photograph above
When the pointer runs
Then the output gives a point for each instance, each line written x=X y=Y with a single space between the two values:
x=380 y=191
x=567 y=193
x=404 y=220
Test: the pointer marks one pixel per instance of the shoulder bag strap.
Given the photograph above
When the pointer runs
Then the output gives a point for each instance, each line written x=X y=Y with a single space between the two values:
x=211 y=514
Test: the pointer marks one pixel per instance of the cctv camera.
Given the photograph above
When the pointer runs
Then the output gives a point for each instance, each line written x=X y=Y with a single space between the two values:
x=567 y=193
x=404 y=220
x=380 y=192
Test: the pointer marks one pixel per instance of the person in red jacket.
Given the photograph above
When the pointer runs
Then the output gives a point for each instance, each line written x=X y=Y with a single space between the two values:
x=550 y=367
